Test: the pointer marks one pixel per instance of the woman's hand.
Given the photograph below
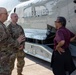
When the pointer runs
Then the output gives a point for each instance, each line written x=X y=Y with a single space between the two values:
x=59 y=46
x=59 y=49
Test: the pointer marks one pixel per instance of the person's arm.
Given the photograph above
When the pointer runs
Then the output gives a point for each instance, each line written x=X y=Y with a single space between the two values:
x=60 y=44
x=3 y=36
x=60 y=41
x=58 y=47
x=73 y=38
x=14 y=43
x=22 y=32
x=22 y=45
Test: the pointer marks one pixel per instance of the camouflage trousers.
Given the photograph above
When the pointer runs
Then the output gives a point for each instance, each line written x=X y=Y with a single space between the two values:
x=4 y=65
x=20 y=61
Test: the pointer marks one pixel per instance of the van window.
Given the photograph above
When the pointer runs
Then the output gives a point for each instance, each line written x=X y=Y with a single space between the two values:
x=27 y=12
x=41 y=11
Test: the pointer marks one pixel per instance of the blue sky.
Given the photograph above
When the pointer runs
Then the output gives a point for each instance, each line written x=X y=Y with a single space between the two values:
x=8 y=4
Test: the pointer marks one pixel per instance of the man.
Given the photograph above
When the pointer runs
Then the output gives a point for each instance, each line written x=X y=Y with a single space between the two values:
x=6 y=43
x=16 y=30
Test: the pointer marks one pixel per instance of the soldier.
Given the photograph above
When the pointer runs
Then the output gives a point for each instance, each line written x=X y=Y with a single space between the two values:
x=16 y=30
x=6 y=43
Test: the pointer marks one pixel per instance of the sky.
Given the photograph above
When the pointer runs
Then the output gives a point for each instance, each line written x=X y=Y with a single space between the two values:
x=8 y=4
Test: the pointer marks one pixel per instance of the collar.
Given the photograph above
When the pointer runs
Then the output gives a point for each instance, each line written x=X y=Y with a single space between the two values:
x=61 y=27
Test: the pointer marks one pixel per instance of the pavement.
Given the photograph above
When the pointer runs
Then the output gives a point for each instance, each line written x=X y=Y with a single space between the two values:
x=35 y=66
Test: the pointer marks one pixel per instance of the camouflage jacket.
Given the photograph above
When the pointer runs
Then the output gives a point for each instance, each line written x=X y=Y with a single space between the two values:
x=6 y=43
x=16 y=31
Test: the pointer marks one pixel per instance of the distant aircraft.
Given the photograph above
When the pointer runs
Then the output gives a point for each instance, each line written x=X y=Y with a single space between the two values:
x=37 y=18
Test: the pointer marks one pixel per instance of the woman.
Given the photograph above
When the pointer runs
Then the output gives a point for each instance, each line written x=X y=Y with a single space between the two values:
x=62 y=62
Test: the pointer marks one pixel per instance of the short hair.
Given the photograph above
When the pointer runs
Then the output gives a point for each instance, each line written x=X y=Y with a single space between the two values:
x=1 y=9
x=62 y=20
x=13 y=14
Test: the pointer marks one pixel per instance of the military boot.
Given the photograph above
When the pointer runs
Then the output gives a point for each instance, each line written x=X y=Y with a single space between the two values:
x=19 y=74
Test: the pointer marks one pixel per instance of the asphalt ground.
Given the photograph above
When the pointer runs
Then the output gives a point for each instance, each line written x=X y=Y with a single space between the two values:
x=35 y=66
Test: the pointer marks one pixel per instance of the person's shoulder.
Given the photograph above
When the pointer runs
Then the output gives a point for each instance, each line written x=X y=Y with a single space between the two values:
x=62 y=29
x=59 y=30
x=68 y=30
x=19 y=25
x=1 y=27
x=9 y=25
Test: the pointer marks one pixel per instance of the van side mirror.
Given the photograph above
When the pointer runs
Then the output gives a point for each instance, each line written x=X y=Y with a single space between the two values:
x=14 y=10
x=74 y=1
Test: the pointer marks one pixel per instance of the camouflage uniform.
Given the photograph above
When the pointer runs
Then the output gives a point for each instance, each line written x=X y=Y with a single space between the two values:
x=15 y=31
x=6 y=43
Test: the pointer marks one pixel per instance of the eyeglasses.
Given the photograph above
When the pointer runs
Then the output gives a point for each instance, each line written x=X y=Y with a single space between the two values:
x=57 y=21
